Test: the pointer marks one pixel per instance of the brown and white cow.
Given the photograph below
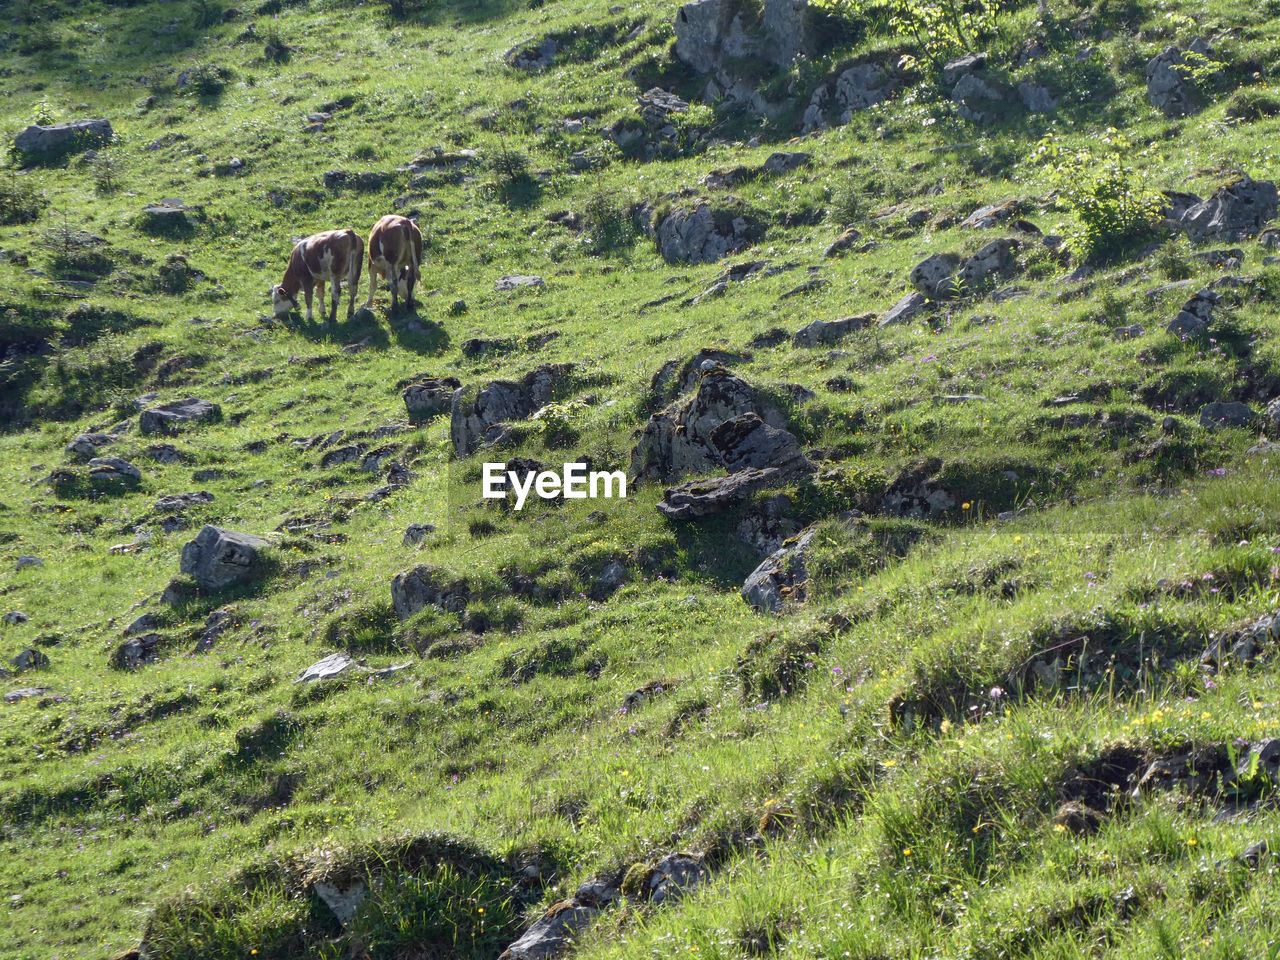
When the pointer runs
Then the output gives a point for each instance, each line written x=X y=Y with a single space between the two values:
x=336 y=256
x=395 y=252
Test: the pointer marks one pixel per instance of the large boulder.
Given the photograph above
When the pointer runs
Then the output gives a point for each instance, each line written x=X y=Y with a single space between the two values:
x=746 y=442
x=168 y=418
x=822 y=332
x=677 y=441
x=476 y=409
x=677 y=377
x=1169 y=86
x=702 y=234
x=426 y=586
x=137 y=650
x=695 y=499
x=219 y=558
x=61 y=138
x=1236 y=210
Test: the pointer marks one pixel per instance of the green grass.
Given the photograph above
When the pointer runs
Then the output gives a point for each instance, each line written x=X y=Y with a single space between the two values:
x=875 y=774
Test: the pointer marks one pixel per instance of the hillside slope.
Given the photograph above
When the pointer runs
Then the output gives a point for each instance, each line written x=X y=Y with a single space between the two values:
x=963 y=368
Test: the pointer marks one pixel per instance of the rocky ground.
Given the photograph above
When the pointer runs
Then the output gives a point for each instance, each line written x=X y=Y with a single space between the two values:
x=940 y=618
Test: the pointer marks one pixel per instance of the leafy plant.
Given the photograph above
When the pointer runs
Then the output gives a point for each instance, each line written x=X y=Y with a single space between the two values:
x=610 y=225
x=19 y=201
x=938 y=29
x=1102 y=187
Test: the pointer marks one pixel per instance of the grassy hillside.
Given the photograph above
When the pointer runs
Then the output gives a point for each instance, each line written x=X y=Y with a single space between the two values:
x=988 y=730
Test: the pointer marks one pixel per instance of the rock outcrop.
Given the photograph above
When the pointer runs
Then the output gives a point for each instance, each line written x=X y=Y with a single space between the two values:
x=477 y=410
x=169 y=418
x=1236 y=210
x=219 y=558
x=703 y=234
x=429 y=397
x=1169 y=86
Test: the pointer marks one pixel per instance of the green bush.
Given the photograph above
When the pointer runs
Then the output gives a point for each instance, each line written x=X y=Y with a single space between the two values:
x=610 y=225
x=1104 y=190
x=19 y=201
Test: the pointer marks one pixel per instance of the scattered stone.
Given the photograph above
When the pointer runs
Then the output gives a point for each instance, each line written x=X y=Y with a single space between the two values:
x=514 y=281
x=823 y=332
x=855 y=88
x=695 y=499
x=331 y=666
x=781 y=577
x=956 y=70
x=426 y=586
x=785 y=161
x=114 y=469
x=677 y=441
x=908 y=308
x=86 y=445
x=1226 y=413
x=674 y=876
x=916 y=492
x=219 y=558
x=532 y=55
x=168 y=418
x=848 y=237
x=416 y=533
x=27 y=560
x=15 y=617
x=25 y=693
x=342 y=455
x=979 y=99
x=1196 y=314
x=933 y=276
x=1131 y=332
x=29 y=659
x=137 y=650
x=61 y=138
x=1037 y=99
x=1236 y=210
x=992 y=215
x=143 y=624
x=178 y=502
x=675 y=378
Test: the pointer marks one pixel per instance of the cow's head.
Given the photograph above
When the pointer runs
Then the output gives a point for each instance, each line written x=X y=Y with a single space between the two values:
x=282 y=302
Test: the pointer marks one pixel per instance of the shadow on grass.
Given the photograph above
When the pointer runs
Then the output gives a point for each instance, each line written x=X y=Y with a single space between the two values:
x=363 y=328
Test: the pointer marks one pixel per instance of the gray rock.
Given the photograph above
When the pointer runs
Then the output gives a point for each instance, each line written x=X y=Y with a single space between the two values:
x=768 y=524
x=219 y=558
x=15 y=617
x=550 y=934
x=342 y=901
x=992 y=215
x=1226 y=413
x=1195 y=315
x=678 y=441
x=848 y=237
x=696 y=499
x=143 y=624
x=906 y=309
x=823 y=332
x=27 y=560
x=1236 y=210
x=114 y=469
x=1168 y=84
x=932 y=276
x=168 y=418
x=855 y=88
x=58 y=138
x=674 y=876
x=532 y=55
x=781 y=577
x=1037 y=99
x=993 y=260
x=138 y=650
x=517 y=280
x=25 y=693
x=29 y=659
x=955 y=70
x=916 y=493
x=426 y=586
x=785 y=161
x=746 y=442
x=703 y=235
x=341 y=455
x=331 y=666
x=416 y=533
x=476 y=410
x=165 y=453
x=85 y=445
x=978 y=99
x=675 y=378
x=1131 y=332
x=430 y=397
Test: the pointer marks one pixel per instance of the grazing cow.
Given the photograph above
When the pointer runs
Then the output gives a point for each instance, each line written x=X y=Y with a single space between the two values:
x=395 y=252
x=335 y=256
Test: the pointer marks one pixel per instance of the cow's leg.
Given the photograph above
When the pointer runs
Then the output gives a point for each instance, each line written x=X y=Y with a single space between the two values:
x=353 y=284
x=412 y=282
x=335 y=297
x=373 y=285
x=393 y=277
x=306 y=293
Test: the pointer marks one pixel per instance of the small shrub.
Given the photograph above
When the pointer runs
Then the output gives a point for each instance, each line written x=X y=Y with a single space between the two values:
x=510 y=179
x=106 y=173
x=610 y=225
x=209 y=80
x=364 y=151
x=1105 y=192
x=19 y=201
x=1173 y=260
